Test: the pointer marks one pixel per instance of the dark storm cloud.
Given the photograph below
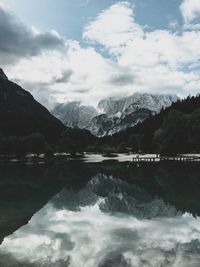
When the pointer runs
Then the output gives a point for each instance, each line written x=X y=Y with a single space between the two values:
x=17 y=41
x=122 y=79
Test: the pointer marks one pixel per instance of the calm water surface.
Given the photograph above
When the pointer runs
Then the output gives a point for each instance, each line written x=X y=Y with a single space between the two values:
x=106 y=214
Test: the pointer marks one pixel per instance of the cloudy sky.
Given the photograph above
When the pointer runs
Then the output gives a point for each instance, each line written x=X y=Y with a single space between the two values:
x=90 y=49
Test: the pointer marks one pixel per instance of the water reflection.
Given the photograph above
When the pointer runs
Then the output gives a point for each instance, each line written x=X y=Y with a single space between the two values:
x=104 y=215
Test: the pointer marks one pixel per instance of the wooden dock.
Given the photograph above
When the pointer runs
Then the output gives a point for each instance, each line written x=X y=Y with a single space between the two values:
x=165 y=158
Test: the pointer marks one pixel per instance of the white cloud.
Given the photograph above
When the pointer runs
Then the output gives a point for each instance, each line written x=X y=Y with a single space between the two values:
x=89 y=74
x=158 y=61
x=163 y=47
x=114 y=27
x=190 y=10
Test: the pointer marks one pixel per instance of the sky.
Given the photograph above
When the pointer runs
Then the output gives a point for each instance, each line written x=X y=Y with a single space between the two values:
x=86 y=50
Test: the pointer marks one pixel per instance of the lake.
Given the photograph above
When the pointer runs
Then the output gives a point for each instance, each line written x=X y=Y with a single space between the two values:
x=100 y=214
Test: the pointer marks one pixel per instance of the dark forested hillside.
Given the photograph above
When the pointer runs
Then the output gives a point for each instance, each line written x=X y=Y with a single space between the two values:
x=175 y=129
x=21 y=114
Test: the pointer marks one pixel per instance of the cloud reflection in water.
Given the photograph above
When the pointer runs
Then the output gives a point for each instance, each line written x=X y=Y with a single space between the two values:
x=86 y=228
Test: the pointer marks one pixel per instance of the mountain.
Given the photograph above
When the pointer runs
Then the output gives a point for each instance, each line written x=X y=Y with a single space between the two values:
x=112 y=115
x=21 y=114
x=127 y=105
x=103 y=124
x=175 y=129
x=120 y=114
x=75 y=114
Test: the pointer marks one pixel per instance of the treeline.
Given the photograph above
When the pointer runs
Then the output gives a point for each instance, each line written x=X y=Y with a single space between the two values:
x=20 y=146
x=71 y=141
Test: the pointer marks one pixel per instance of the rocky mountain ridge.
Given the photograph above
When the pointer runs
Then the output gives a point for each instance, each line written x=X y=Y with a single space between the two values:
x=75 y=114
x=112 y=114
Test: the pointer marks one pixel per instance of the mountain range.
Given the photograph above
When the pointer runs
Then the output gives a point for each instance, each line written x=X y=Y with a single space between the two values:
x=21 y=114
x=112 y=115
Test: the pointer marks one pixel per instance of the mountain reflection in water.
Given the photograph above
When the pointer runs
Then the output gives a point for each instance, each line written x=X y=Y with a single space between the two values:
x=100 y=215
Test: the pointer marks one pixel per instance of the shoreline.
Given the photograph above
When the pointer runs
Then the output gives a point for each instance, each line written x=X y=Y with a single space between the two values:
x=32 y=159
